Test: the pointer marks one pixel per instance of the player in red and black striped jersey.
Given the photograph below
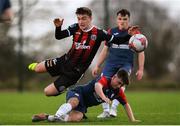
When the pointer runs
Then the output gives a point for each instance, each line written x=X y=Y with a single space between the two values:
x=71 y=66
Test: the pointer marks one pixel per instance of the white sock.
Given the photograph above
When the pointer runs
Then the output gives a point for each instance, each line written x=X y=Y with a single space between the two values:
x=114 y=104
x=66 y=117
x=106 y=107
x=64 y=109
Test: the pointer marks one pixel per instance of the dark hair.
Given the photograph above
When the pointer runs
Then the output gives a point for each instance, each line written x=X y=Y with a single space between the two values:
x=123 y=12
x=123 y=75
x=84 y=10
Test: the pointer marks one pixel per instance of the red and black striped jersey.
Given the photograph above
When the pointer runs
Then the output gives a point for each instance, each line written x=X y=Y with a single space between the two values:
x=86 y=43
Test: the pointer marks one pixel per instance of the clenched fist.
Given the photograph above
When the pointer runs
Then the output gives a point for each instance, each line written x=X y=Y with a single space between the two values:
x=58 y=22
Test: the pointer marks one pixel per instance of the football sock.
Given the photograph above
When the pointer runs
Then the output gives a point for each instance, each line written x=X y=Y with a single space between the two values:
x=64 y=109
x=114 y=104
x=105 y=107
x=66 y=117
x=32 y=66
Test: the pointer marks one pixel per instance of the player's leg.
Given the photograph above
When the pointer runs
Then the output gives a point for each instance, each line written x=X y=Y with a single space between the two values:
x=78 y=108
x=72 y=116
x=37 y=67
x=53 y=66
x=40 y=67
x=106 y=109
x=113 y=110
x=62 y=113
x=51 y=90
x=72 y=102
x=75 y=116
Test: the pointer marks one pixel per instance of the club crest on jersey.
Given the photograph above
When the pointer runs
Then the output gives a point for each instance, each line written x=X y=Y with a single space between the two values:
x=81 y=45
x=93 y=37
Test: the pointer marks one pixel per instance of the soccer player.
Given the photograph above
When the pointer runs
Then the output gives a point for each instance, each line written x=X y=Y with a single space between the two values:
x=91 y=94
x=118 y=56
x=86 y=41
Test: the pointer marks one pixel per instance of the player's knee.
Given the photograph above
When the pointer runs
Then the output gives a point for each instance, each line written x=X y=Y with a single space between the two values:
x=76 y=117
x=79 y=117
x=51 y=91
x=47 y=92
x=74 y=102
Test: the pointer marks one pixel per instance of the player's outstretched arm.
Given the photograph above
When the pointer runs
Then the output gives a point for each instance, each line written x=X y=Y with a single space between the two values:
x=100 y=93
x=129 y=113
x=60 y=34
x=101 y=59
x=141 y=60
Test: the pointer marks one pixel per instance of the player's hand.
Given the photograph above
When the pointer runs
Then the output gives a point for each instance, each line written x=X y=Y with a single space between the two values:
x=107 y=100
x=139 y=74
x=58 y=22
x=95 y=71
x=134 y=30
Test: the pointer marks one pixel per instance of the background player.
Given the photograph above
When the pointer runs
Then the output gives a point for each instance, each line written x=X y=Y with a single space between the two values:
x=118 y=56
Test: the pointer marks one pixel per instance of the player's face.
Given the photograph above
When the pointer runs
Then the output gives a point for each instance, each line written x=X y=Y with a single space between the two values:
x=116 y=82
x=122 y=21
x=84 y=21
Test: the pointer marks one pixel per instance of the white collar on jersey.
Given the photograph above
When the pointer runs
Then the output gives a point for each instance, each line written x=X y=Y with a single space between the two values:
x=88 y=29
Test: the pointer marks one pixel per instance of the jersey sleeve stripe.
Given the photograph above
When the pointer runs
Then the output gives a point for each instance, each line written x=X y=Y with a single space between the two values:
x=68 y=32
x=111 y=38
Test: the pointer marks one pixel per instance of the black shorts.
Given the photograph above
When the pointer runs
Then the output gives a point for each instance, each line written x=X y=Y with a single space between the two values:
x=68 y=75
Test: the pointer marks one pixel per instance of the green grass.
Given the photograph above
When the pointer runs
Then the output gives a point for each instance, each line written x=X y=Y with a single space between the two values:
x=149 y=107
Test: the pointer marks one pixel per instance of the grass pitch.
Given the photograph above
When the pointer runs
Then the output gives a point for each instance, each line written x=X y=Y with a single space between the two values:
x=152 y=108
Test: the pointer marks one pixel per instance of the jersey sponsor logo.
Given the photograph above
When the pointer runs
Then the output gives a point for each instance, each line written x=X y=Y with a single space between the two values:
x=81 y=45
x=121 y=46
x=93 y=37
